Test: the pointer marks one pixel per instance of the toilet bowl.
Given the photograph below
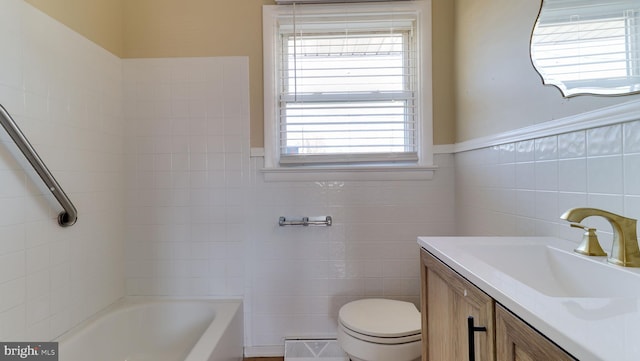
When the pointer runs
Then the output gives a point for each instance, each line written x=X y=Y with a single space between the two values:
x=377 y=329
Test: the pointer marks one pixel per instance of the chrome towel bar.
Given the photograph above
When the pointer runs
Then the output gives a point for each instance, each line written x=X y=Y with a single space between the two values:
x=306 y=221
x=70 y=214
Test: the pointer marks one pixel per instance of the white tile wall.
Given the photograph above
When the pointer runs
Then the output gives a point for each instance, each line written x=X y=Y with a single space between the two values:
x=202 y=221
x=597 y=168
x=187 y=175
x=65 y=94
x=301 y=276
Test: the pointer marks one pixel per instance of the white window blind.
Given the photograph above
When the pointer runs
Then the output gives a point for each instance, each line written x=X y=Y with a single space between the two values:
x=347 y=85
x=584 y=44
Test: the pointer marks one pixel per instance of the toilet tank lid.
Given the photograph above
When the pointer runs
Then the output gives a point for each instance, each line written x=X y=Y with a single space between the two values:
x=381 y=317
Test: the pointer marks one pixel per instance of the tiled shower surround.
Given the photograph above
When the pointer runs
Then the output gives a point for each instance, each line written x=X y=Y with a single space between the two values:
x=66 y=95
x=155 y=154
x=187 y=175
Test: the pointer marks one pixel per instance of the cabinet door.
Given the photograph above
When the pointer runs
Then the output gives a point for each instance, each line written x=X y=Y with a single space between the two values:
x=447 y=302
x=517 y=341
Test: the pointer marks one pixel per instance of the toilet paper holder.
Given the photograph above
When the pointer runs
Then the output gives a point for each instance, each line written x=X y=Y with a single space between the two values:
x=306 y=221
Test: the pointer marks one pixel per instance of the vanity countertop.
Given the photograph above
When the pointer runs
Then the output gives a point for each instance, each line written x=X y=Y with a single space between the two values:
x=597 y=320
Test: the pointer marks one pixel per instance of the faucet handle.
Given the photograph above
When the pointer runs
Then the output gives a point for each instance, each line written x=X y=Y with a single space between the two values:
x=582 y=226
x=590 y=245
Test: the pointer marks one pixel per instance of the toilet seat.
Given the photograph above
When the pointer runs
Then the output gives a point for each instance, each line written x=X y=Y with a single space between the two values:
x=381 y=340
x=381 y=321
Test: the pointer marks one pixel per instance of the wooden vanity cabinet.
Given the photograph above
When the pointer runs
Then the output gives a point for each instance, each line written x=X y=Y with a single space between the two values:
x=447 y=302
x=517 y=341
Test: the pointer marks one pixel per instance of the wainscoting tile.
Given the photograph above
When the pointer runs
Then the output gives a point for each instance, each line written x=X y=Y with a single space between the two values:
x=604 y=140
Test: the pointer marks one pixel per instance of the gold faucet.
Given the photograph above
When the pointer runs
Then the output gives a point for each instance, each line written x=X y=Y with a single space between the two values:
x=624 y=251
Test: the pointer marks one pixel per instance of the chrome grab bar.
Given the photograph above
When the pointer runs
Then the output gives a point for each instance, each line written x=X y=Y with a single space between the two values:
x=305 y=221
x=70 y=215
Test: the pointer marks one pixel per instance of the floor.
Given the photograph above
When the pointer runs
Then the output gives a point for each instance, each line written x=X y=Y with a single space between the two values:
x=265 y=359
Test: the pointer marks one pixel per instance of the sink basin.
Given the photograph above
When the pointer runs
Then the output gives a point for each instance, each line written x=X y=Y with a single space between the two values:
x=556 y=272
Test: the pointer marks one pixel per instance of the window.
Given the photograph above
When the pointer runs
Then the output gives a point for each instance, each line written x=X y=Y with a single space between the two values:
x=347 y=84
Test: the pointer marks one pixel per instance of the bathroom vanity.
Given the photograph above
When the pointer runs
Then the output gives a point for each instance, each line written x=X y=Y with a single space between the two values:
x=525 y=298
x=455 y=308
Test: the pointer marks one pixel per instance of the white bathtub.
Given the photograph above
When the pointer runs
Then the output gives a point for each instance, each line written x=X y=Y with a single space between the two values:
x=158 y=329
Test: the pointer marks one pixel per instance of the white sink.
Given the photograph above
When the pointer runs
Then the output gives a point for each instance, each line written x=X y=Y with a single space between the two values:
x=556 y=272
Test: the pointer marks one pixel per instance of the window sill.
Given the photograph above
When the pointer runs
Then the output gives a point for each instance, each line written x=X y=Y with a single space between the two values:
x=348 y=173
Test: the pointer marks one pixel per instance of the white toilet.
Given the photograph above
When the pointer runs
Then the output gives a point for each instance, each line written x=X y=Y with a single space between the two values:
x=380 y=330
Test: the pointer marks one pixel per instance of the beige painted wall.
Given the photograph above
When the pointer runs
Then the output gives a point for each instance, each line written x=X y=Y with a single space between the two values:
x=484 y=82
x=169 y=28
x=444 y=99
x=497 y=88
x=192 y=28
x=100 y=21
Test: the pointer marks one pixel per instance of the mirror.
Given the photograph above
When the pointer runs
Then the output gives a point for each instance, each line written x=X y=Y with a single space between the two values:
x=588 y=46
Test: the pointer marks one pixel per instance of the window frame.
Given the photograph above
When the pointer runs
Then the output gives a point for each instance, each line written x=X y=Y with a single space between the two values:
x=424 y=163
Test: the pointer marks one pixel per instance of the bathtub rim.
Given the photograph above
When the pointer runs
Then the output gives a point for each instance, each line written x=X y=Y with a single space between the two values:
x=218 y=330
x=214 y=329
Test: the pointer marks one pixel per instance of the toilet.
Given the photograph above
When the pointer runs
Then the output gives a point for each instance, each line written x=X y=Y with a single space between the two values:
x=377 y=329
